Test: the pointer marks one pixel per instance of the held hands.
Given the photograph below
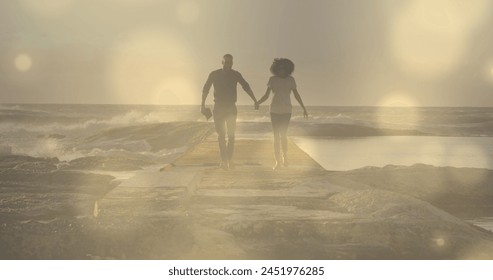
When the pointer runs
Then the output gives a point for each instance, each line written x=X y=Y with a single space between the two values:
x=256 y=105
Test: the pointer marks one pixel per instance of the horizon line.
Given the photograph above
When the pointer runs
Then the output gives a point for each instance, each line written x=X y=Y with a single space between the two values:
x=143 y=104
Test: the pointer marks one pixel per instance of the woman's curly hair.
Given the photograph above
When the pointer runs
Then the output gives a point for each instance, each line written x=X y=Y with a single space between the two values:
x=280 y=64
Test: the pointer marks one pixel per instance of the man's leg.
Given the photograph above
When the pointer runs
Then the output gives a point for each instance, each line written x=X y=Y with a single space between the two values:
x=220 y=124
x=231 y=124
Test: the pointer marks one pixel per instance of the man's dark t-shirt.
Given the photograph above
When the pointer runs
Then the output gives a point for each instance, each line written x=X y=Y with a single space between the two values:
x=225 y=82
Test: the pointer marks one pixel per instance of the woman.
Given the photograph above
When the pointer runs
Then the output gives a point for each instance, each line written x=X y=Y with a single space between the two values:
x=281 y=84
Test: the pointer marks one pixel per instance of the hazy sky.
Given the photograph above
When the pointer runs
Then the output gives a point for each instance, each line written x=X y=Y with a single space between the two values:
x=347 y=52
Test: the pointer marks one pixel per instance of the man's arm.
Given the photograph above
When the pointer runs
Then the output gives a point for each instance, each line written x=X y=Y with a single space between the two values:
x=250 y=93
x=204 y=97
x=246 y=87
x=205 y=90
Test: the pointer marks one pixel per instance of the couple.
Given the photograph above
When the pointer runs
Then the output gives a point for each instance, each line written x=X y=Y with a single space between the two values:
x=281 y=85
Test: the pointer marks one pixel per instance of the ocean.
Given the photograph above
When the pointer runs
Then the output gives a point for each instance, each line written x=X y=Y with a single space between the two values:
x=358 y=136
x=113 y=139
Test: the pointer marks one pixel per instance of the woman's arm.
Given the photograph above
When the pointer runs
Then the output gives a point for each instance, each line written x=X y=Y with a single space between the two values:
x=298 y=98
x=265 y=97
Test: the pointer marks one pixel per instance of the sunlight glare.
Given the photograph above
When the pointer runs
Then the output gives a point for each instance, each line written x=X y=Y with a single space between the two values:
x=487 y=71
x=147 y=65
x=23 y=62
x=175 y=90
x=430 y=38
x=440 y=242
x=398 y=100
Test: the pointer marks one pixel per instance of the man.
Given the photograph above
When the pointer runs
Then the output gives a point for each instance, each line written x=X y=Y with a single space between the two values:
x=225 y=81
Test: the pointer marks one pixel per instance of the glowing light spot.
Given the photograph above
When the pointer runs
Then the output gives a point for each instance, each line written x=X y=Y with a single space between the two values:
x=96 y=210
x=153 y=67
x=23 y=62
x=440 y=242
x=487 y=71
x=429 y=38
x=47 y=8
x=390 y=112
x=187 y=12
x=397 y=100
x=174 y=91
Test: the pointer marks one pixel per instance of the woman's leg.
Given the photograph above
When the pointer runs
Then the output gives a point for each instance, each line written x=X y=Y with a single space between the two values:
x=283 y=134
x=277 y=138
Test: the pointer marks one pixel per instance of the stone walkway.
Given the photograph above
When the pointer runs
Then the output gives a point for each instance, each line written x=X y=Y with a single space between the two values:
x=195 y=210
x=192 y=209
